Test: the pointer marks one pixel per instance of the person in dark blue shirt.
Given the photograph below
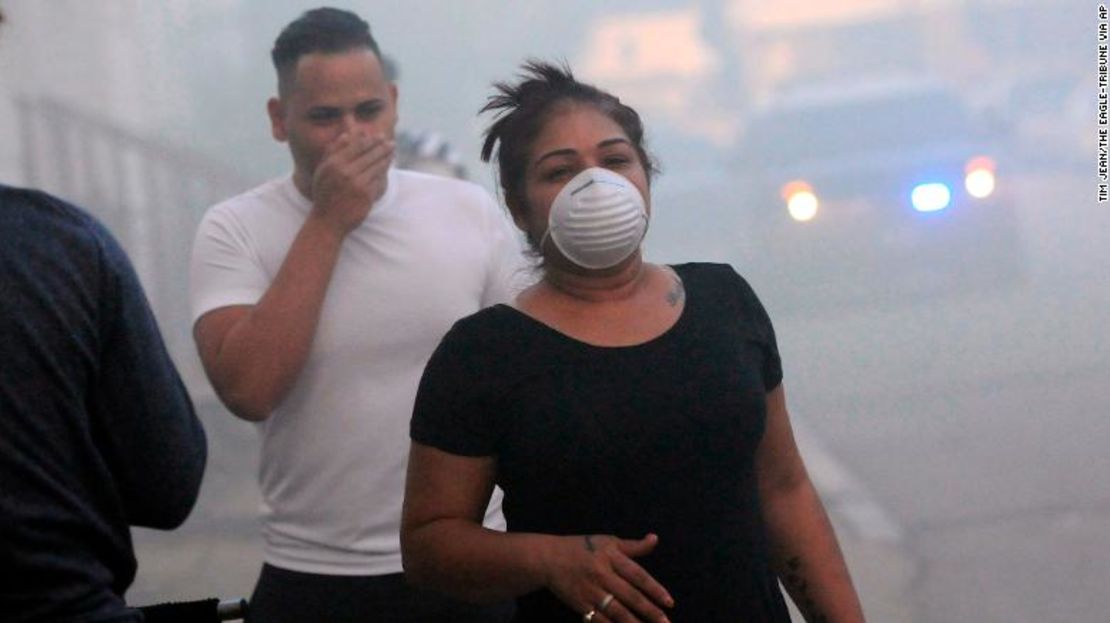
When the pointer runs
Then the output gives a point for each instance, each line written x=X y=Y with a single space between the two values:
x=97 y=432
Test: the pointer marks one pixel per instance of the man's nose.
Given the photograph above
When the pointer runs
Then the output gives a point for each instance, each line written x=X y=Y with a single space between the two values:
x=354 y=126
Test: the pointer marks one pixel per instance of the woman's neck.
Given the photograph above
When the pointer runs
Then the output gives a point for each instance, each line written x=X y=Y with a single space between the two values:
x=622 y=283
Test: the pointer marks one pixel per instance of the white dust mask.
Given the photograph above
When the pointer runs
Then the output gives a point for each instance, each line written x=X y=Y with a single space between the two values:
x=598 y=219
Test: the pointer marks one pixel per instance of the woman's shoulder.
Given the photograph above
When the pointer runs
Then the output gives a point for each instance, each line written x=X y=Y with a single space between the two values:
x=486 y=336
x=483 y=326
x=711 y=272
x=484 y=352
x=722 y=283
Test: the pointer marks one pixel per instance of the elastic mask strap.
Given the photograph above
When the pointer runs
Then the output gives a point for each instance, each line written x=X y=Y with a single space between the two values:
x=545 y=237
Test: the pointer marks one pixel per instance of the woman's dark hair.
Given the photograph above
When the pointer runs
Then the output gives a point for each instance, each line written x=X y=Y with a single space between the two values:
x=522 y=109
x=326 y=30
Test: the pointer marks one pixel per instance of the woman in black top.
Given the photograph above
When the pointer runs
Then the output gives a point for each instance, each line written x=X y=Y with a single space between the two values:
x=633 y=413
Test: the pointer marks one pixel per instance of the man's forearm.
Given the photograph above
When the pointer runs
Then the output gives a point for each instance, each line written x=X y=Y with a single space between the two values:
x=262 y=353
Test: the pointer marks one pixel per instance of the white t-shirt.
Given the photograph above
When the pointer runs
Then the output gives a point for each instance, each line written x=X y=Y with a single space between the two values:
x=334 y=452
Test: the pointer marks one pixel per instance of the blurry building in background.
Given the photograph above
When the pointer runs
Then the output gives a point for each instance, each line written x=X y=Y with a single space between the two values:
x=969 y=42
x=664 y=64
x=703 y=65
x=101 y=139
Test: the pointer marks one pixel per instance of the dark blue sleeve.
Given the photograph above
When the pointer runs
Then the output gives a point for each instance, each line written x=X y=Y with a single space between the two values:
x=151 y=438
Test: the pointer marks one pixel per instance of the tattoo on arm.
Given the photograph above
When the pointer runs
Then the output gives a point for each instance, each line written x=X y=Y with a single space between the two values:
x=589 y=543
x=798 y=587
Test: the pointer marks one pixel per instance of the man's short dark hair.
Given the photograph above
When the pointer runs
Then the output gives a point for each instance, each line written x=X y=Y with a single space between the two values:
x=327 y=30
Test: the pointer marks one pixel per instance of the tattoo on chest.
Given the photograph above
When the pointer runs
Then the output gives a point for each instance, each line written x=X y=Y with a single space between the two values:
x=676 y=293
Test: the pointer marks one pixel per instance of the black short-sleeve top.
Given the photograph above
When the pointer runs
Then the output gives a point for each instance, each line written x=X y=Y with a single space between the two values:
x=656 y=437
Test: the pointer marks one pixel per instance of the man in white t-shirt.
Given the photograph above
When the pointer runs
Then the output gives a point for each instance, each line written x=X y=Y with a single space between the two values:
x=317 y=299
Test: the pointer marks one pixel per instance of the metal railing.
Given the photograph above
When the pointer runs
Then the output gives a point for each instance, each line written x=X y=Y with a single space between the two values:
x=150 y=193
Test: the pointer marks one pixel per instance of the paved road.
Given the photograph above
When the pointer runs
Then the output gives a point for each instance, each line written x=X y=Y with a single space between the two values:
x=960 y=445
x=980 y=426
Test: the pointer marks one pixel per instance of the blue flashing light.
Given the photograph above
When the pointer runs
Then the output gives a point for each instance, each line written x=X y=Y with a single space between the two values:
x=931 y=197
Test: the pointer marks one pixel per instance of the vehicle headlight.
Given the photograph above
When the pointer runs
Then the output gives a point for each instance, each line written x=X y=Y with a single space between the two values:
x=979 y=177
x=801 y=202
